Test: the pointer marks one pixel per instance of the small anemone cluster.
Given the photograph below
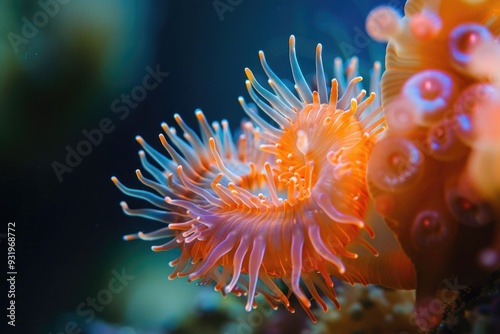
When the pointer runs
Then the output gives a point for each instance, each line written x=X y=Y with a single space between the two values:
x=435 y=176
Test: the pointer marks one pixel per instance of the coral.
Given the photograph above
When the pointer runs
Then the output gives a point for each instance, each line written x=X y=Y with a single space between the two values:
x=369 y=309
x=434 y=176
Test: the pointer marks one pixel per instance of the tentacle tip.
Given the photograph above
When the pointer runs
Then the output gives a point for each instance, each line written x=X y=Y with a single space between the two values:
x=199 y=114
x=249 y=73
x=163 y=140
x=306 y=302
x=129 y=237
x=139 y=139
x=114 y=179
x=291 y=40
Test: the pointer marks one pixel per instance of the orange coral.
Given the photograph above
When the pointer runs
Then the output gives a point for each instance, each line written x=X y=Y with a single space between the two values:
x=436 y=91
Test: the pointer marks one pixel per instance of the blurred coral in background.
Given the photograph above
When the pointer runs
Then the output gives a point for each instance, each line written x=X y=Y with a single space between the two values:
x=434 y=177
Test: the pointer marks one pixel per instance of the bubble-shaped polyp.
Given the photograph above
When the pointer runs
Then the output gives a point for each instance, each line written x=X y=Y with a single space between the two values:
x=463 y=39
x=395 y=164
x=430 y=91
x=382 y=23
x=425 y=25
x=400 y=115
x=470 y=102
x=466 y=206
x=430 y=229
x=444 y=143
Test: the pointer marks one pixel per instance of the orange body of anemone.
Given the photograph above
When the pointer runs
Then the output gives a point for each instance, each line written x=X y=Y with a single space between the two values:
x=280 y=204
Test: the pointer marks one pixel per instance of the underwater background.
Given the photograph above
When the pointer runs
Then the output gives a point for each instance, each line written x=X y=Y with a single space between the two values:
x=73 y=73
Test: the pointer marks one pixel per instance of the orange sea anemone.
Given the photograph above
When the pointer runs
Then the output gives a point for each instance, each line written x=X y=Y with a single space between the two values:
x=441 y=96
x=279 y=205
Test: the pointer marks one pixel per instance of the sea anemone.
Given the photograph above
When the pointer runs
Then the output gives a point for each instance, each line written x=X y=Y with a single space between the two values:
x=282 y=203
x=440 y=96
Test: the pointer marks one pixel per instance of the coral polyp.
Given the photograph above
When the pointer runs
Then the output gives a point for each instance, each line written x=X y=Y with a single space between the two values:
x=282 y=203
x=428 y=176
